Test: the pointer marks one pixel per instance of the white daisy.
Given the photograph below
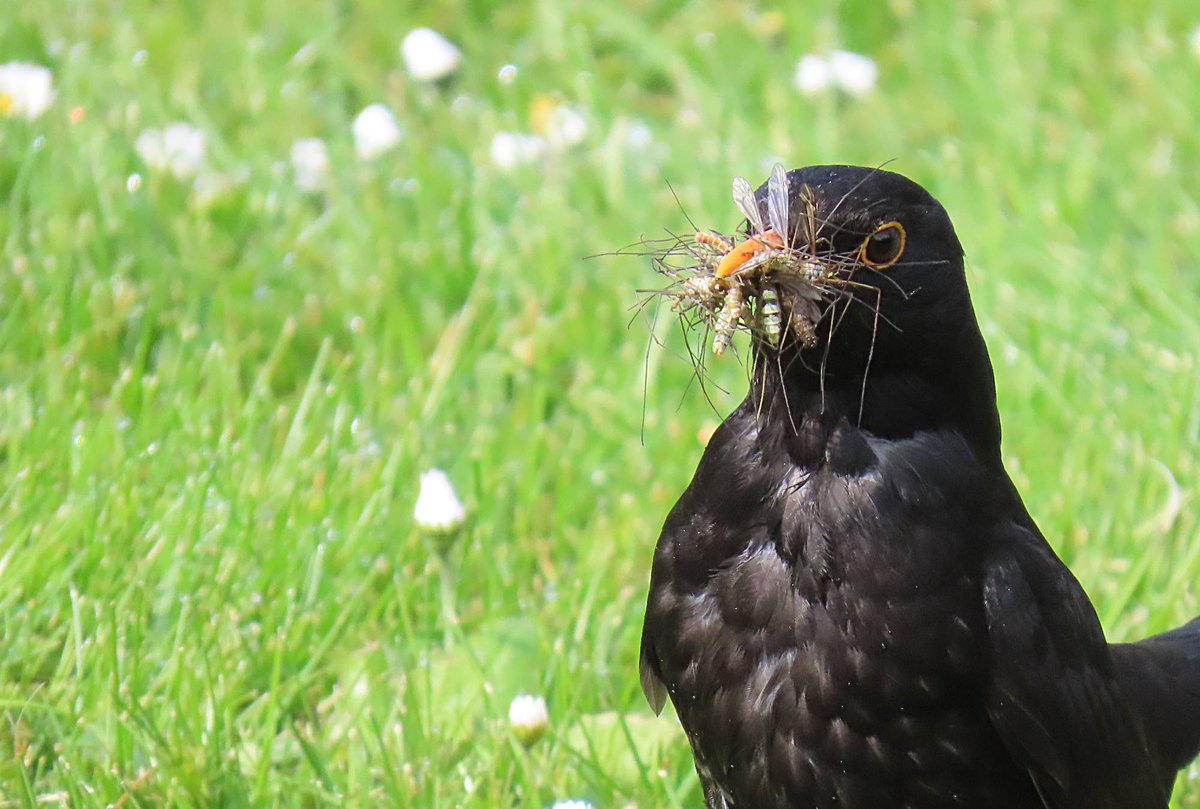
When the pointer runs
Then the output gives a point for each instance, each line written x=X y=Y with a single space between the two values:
x=211 y=186
x=638 y=136
x=310 y=164
x=26 y=90
x=512 y=149
x=813 y=75
x=567 y=126
x=438 y=508
x=428 y=55
x=177 y=148
x=853 y=72
x=571 y=805
x=375 y=131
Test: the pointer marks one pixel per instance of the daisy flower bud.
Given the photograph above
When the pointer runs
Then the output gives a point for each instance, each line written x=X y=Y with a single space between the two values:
x=438 y=508
x=528 y=717
x=428 y=55
x=375 y=131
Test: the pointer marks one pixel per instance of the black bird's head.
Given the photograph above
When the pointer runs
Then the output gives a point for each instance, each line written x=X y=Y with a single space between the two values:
x=897 y=346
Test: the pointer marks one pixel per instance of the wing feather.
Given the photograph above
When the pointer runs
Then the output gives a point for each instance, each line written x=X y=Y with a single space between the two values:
x=1054 y=698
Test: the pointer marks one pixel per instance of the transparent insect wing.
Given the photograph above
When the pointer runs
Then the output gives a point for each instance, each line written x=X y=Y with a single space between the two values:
x=777 y=201
x=743 y=197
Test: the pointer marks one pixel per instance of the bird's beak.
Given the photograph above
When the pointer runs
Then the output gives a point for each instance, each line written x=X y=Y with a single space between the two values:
x=744 y=251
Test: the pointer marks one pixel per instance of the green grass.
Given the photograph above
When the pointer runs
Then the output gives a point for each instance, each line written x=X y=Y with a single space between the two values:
x=213 y=413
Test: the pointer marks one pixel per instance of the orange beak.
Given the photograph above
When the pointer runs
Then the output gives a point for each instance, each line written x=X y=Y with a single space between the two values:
x=744 y=251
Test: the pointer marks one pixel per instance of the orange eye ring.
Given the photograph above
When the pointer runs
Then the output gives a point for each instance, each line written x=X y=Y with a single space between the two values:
x=884 y=247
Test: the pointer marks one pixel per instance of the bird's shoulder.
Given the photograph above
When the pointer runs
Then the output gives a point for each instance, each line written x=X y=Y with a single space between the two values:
x=923 y=497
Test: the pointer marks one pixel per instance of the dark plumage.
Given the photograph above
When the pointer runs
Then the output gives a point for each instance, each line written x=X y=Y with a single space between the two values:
x=850 y=606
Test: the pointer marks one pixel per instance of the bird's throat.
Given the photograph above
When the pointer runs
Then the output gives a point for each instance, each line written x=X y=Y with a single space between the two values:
x=885 y=398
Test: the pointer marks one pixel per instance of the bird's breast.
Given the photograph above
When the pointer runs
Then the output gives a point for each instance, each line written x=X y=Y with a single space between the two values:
x=836 y=658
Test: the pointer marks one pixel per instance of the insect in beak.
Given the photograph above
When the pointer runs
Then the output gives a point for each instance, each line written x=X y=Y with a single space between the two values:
x=744 y=251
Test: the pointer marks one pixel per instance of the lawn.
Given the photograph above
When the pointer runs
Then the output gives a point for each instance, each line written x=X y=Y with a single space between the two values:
x=218 y=391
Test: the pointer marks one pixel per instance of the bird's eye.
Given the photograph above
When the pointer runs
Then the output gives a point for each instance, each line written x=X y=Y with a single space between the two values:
x=883 y=248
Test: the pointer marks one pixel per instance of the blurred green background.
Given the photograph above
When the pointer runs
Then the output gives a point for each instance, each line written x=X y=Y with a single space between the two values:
x=218 y=390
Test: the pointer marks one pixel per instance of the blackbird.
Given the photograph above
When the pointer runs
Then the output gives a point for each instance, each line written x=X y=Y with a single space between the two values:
x=850 y=605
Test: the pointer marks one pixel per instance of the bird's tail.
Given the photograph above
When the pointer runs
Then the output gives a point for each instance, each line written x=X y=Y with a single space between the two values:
x=1161 y=676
